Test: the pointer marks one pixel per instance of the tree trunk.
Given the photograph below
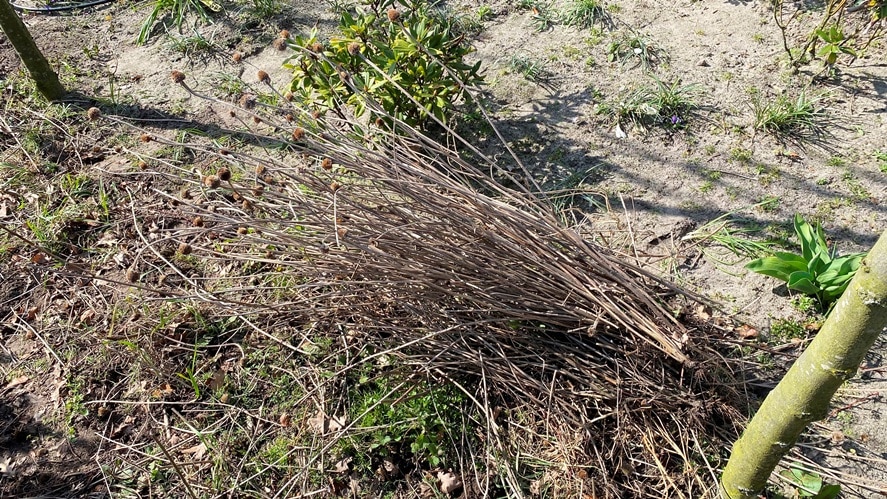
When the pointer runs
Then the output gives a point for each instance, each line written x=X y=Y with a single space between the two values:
x=47 y=81
x=803 y=395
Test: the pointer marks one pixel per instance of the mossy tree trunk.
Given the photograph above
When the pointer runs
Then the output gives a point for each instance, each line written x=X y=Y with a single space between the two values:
x=803 y=395
x=47 y=81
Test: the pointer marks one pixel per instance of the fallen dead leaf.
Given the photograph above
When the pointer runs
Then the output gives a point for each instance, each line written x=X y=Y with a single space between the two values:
x=17 y=381
x=745 y=331
x=217 y=381
x=197 y=452
x=449 y=482
x=342 y=466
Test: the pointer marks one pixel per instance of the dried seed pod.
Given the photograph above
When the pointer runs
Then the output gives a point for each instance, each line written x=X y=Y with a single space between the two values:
x=224 y=174
x=279 y=43
x=393 y=14
x=298 y=133
x=263 y=77
x=353 y=48
x=317 y=48
x=258 y=190
x=211 y=181
x=335 y=186
x=242 y=231
x=177 y=77
x=284 y=34
x=248 y=101
x=326 y=164
x=236 y=56
x=93 y=113
x=132 y=275
x=197 y=222
x=184 y=249
x=246 y=205
x=224 y=152
x=260 y=169
x=145 y=137
x=288 y=96
x=143 y=165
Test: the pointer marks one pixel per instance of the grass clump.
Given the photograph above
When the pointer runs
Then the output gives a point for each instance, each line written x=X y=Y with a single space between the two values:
x=665 y=104
x=637 y=50
x=585 y=13
x=787 y=116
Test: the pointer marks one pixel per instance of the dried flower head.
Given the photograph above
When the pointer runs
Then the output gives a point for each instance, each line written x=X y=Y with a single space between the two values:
x=263 y=77
x=145 y=137
x=242 y=231
x=232 y=114
x=224 y=174
x=298 y=133
x=260 y=169
x=335 y=186
x=353 y=48
x=288 y=96
x=236 y=56
x=326 y=164
x=284 y=34
x=258 y=190
x=279 y=44
x=211 y=181
x=289 y=117
x=317 y=48
x=184 y=249
x=197 y=222
x=143 y=165
x=246 y=205
x=178 y=77
x=224 y=152
x=393 y=14
x=132 y=275
x=248 y=101
x=93 y=113
x=257 y=120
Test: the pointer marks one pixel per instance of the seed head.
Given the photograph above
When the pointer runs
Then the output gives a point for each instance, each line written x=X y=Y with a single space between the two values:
x=393 y=14
x=248 y=101
x=143 y=165
x=289 y=118
x=132 y=275
x=298 y=133
x=242 y=231
x=224 y=174
x=93 y=113
x=197 y=222
x=263 y=77
x=279 y=44
x=284 y=34
x=288 y=96
x=246 y=205
x=236 y=56
x=258 y=190
x=326 y=164
x=184 y=249
x=353 y=48
x=317 y=48
x=177 y=77
x=224 y=152
x=257 y=120
x=335 y=186
x=145 y=137
x=211 y=181
x=260 y=169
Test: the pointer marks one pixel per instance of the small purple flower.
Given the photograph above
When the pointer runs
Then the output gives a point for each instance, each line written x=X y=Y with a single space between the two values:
x=676 y=120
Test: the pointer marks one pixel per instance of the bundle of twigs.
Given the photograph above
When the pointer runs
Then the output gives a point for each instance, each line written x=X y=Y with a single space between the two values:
x=424 y=252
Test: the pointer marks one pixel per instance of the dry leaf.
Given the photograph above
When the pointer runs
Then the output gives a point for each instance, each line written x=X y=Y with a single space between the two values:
x=197 y=452
x=217 y=381
x=342 y=465
x=284 y=419
x=318 y=423
x=745 y=331
x=337 y=423
x=449 y=482
x=17 y=381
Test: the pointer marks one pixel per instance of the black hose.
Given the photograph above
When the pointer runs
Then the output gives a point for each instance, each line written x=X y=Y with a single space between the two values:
x=61 y=8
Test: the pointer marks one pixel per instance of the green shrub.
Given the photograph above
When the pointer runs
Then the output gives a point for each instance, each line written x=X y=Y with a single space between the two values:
x=402 y=55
